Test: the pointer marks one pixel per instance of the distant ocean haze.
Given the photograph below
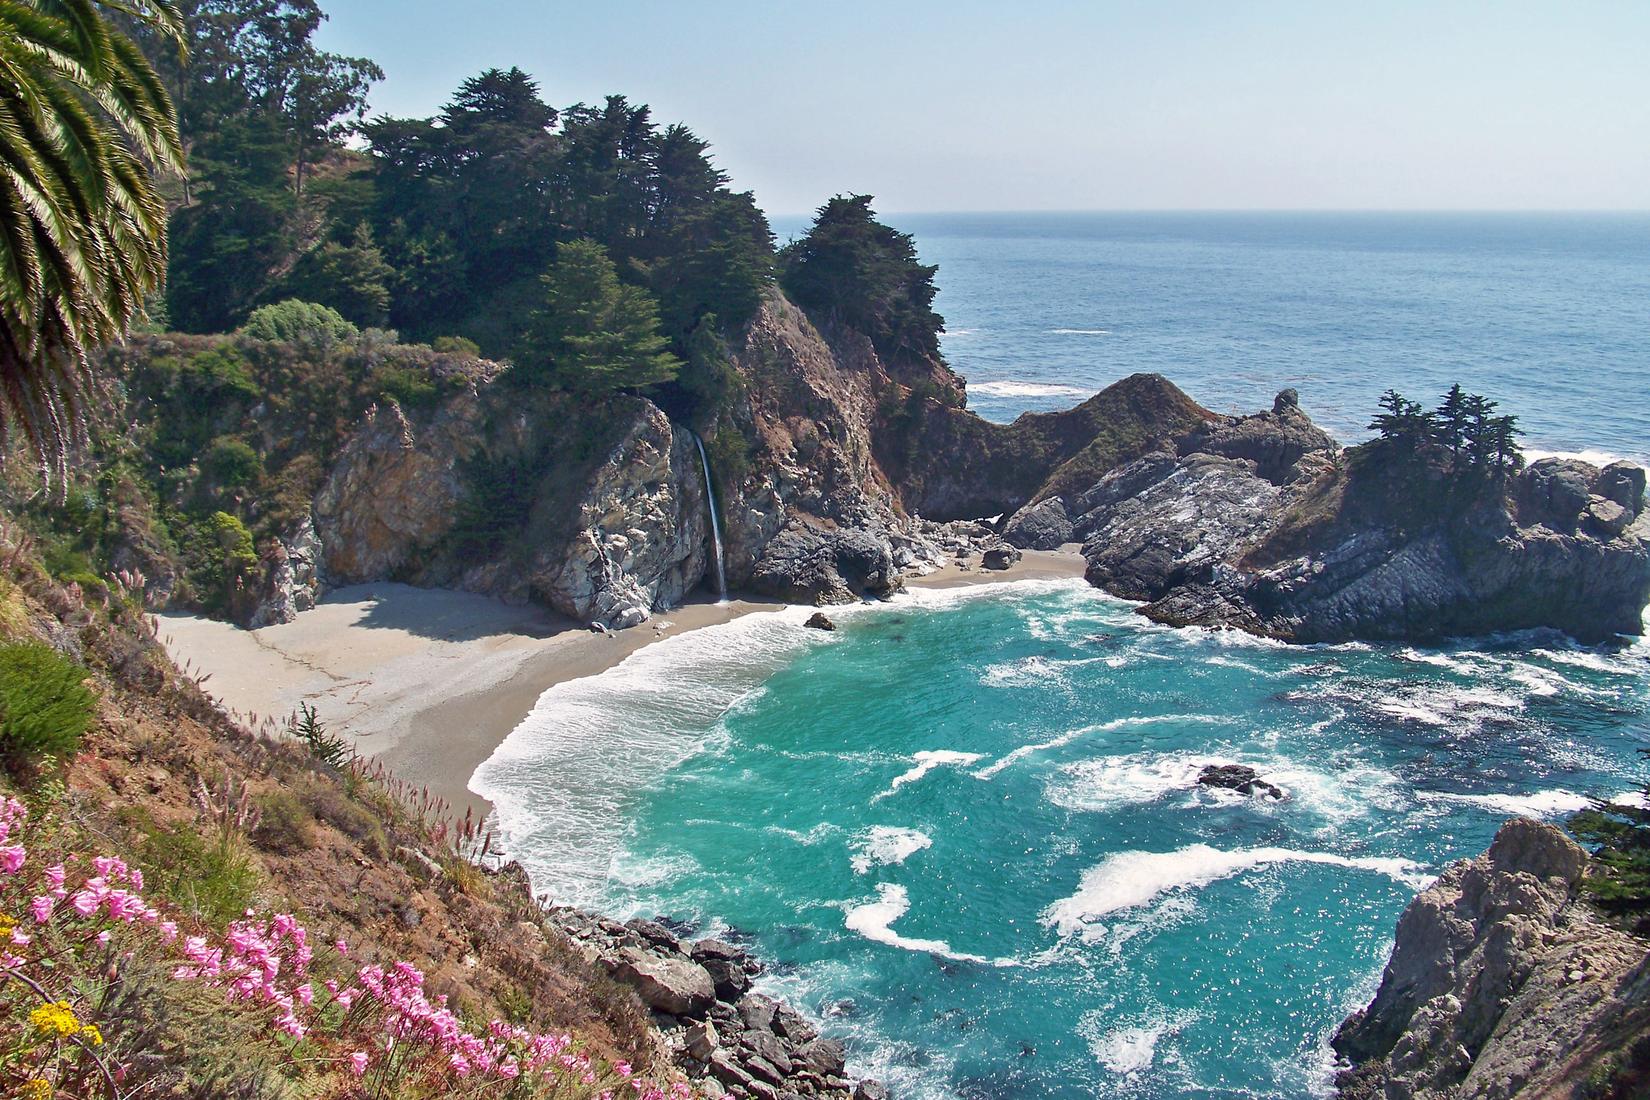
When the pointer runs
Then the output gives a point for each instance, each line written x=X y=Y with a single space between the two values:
x=1547 y=313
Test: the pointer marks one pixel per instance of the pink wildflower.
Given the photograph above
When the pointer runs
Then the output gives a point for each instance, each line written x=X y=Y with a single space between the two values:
x=358 y=1062
x=11 y=858
x=41 y=909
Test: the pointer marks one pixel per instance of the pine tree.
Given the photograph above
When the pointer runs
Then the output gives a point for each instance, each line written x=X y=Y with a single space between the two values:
x=594 y=334
x=1402 y=422
x=1452 y=419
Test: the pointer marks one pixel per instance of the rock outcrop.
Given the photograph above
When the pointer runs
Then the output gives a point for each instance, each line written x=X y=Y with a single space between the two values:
x=1503 y=985
x=1240 y=778
x=1263 y=524
x=727 y=1038
x=489 y=494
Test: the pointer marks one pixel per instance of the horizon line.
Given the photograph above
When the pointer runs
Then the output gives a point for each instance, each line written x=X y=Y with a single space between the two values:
x=1509 y=211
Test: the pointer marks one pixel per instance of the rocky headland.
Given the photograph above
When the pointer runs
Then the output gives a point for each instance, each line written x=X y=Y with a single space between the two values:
x=1503 y=982
x=1265 y=524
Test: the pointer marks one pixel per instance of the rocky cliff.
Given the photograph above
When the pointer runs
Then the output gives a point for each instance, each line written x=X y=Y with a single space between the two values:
x=827 y=457
x=1264 y=524
x=1503 y=984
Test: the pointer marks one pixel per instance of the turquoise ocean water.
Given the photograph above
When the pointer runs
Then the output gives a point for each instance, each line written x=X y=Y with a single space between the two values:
x=965 y=829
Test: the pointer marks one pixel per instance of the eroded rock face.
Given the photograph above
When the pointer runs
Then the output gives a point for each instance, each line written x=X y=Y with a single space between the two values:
x=1501 y=984
x=1044 y=525
x=640 y=532
x=1316 y=551
x=603 y=539
x=291 y=578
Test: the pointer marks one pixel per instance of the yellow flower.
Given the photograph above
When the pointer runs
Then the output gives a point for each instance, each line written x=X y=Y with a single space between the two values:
x=55 y=1021
x=92 y=1034
x=7 y=923
x=36 y=1089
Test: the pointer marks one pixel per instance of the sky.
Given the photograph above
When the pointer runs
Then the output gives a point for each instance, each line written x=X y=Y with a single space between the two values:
x=1172 y=105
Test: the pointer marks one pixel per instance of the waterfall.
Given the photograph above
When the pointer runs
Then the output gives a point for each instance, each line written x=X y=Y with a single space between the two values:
x=715 y=521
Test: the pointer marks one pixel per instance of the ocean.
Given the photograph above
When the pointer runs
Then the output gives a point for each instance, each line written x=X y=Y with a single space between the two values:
x=965 y=829
x=1547 y=313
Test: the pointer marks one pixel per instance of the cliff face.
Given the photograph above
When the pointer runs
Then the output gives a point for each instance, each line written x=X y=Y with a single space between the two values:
x=505 y=496
x=1502 y=985
x=1263 y=524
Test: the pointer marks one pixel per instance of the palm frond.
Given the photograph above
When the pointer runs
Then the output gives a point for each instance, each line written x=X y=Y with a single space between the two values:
x=85 y=122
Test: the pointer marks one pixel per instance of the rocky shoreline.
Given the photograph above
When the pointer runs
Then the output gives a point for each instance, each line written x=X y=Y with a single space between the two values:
x=1504 y=982
x=728 y=1039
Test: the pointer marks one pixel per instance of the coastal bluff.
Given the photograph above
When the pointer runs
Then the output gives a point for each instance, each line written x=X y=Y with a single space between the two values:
x=1504 y=983
x=839 y=470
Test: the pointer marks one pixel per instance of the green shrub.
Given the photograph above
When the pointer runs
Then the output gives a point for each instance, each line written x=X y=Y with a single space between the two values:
x=212 y=878
x=409 y=386
x=285 y=826
x=232 y=462
x=303 y=323
x=457 y=345
x=45 y=706
x=235 y=541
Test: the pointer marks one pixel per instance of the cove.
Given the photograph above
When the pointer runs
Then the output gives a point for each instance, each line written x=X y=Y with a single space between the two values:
x=965 y=828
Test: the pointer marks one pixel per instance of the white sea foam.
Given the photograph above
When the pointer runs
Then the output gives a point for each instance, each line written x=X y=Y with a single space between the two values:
x=1537 y=804
x=560 y=781
x=1027 y=389
x=874 y=921
x=1080 y=331
x=1448 y=705
x=885 y=845
x=926 y=761
x=1129 y=880
x=1078 y=734
x=1586 y=454
x=1031 y=671
x=1132 y=1047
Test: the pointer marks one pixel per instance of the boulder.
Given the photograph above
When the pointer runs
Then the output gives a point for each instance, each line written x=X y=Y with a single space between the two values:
x=1000 y=557
x=674 y=985
x=1043 y=525
x=1623 y=483
x=1607 y=517
x=729 y=967
x=757 y=1011
x=1554 y=491
x=824 y=1057
x=819 y=621
x=701 y=1041
x=1239 y=778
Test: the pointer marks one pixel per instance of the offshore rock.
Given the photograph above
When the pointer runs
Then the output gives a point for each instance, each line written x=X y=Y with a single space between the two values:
x=1340 y=545
x=1238 y=777
x=1503 y=985
x=819 y=621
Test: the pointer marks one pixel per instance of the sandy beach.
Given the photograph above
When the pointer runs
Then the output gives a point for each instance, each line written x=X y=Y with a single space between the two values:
x=431 y=681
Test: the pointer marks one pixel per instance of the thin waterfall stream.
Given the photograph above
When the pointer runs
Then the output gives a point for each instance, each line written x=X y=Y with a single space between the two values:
x=715 y=521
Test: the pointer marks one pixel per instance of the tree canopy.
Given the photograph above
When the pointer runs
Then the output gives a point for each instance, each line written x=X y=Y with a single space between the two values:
x=852 y=269
x=1472 y=439
x=594 y=334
